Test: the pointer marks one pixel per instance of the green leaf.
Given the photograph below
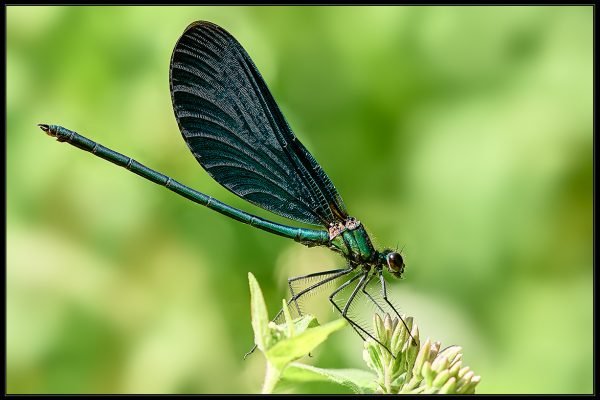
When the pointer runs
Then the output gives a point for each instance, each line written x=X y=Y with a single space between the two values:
x=260 y=317
x=304 y=322
x=288 y=350
x=358 y=380
x=371 y=356
x=299 y=325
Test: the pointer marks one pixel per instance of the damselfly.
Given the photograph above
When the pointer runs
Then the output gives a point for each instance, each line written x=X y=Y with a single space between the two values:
x=234 y=128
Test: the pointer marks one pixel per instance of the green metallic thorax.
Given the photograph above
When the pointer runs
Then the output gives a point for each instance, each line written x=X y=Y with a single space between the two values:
x=354 y=244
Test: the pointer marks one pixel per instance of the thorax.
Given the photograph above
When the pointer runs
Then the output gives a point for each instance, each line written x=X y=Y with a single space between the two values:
x=352 y=241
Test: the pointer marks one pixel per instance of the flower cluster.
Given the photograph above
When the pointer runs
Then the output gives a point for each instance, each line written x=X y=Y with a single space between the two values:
x=415 y=368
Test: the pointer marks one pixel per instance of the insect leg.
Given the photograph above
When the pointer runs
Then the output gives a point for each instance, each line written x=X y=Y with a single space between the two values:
x=344 y=312
x=297 y=278
x=335 y=292
x=384 y=294
x=364 y=290
x=337 y=273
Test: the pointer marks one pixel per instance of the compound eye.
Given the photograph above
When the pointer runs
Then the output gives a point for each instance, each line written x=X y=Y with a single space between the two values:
x=395 y=262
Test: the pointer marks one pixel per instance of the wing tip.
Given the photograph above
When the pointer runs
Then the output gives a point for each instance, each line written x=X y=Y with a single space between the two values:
x=201 y=23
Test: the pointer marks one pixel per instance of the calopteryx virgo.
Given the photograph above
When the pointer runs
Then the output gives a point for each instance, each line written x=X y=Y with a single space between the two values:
x=234 y=128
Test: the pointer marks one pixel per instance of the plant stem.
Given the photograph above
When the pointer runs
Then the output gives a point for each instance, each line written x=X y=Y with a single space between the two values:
x=272 y=376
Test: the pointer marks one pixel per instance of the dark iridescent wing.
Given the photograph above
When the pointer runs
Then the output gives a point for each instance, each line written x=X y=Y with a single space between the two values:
x=236 y=131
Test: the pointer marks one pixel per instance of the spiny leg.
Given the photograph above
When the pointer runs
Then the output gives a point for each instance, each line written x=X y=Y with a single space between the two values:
x=364 y=290
x=290 y=280
x=360 y=285
x=344 y=312
x=307 y=276
x=337 y=273
x=293 y=279
x=384 y=294
x=335 y=292
x=295 y=298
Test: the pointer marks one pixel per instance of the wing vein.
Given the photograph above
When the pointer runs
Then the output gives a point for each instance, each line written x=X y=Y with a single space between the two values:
x=234 y=128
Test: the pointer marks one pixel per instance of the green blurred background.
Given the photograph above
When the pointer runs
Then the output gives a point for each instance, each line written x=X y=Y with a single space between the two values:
x=461 y=133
